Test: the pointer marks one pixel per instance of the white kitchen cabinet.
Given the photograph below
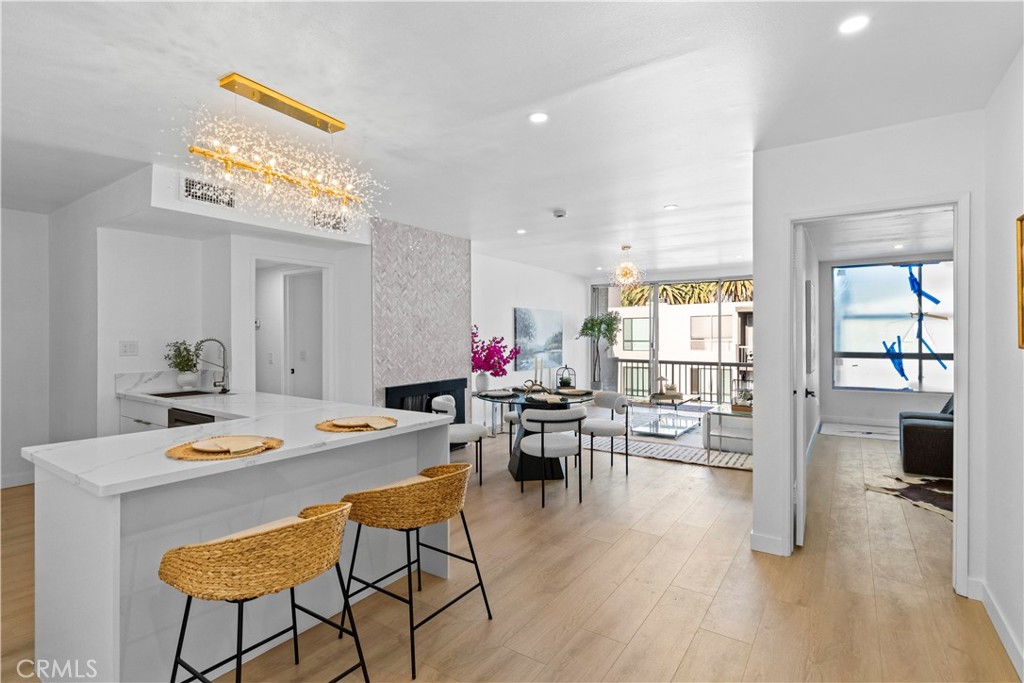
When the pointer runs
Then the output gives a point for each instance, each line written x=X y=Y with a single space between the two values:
x=137 y=416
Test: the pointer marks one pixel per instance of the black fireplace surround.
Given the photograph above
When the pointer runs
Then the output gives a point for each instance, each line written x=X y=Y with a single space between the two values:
x=417 y=397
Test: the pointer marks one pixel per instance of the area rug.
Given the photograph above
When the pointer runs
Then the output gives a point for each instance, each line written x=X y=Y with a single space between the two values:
x=929 y=493
x=668 y=451
x=860 y=431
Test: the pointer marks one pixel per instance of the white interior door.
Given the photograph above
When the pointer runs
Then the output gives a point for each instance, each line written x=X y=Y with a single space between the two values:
x=805 y=368
x=304 y=334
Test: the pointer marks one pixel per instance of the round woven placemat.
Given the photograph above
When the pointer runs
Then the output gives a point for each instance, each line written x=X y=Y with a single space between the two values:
x=329 y=426
x=185 y=451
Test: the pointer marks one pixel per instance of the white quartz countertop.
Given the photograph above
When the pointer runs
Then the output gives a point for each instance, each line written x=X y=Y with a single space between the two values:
x=231 y=405
x=114 y=465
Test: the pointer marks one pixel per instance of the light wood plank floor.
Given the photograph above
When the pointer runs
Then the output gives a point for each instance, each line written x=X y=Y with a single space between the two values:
x=651 y=579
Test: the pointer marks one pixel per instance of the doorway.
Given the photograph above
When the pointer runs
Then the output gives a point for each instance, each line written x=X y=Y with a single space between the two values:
x=289 y=329
x=876 y=333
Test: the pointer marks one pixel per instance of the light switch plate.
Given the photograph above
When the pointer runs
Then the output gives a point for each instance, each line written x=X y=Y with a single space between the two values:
x=127 y=348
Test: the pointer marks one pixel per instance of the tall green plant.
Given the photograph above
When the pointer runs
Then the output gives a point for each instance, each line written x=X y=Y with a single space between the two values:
x=597 y=328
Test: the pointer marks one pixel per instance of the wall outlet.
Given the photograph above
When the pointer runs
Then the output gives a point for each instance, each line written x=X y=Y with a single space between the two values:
x=270 y=358
x=302 y=355
x=127 y=348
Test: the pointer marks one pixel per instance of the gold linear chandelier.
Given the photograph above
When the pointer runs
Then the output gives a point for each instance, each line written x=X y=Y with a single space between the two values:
x=275 y=175
x=627 y=275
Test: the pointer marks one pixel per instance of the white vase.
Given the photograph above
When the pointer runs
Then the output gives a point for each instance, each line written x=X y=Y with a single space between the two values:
x=188 y=380
x=483 y=380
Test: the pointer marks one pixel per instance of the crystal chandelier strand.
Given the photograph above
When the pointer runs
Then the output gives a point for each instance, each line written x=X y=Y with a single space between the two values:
x=275 y=176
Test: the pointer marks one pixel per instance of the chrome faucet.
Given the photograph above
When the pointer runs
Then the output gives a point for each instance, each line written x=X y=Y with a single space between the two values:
x=223 y=383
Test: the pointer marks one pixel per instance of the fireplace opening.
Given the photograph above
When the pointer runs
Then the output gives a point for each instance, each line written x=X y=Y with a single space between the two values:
x=417 y=397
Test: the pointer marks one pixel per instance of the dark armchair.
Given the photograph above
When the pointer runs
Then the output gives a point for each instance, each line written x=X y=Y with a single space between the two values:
x=926 y=442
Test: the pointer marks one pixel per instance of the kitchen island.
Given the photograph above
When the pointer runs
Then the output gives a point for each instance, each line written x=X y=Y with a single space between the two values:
x=107 y=509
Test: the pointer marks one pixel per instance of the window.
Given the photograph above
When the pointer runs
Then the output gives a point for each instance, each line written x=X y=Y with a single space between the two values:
x=636 y=334
x=705 y=330
x=893 y=327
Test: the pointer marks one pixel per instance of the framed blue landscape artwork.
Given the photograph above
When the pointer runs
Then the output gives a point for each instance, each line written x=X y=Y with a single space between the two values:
x=539 y=336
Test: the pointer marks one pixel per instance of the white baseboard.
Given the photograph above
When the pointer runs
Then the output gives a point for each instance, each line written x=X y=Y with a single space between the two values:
x=772 y=545
x=978 y=590
x=19 y=479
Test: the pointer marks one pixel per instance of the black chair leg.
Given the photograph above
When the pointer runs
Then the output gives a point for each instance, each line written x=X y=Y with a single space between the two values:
x=346 y=611
x=412 y=616
x=419 y=572
x=566 y=461
x=543 y=478
x=627 y=452
x=238 y=650
x=295 y=627
x=480 y=460
x=579 y=456
x=591 y=455
x=476 y=565
x=510 y=439
x=181 y=639
x=611 y=452
x=351 y=572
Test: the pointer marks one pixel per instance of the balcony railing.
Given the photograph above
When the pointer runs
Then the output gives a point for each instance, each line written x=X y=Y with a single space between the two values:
x=710 y=381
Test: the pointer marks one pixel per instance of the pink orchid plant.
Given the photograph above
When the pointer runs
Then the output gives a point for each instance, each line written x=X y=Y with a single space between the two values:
x=492 y=355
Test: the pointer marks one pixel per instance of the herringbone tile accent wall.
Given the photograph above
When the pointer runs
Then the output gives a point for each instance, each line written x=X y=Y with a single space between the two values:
x=421 y=306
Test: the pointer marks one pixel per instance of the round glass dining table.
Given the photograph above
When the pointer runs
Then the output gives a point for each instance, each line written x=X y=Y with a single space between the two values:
x=520 y=401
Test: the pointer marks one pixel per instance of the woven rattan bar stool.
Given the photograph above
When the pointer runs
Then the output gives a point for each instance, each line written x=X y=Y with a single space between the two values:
x=260 y=561
x=437 y=494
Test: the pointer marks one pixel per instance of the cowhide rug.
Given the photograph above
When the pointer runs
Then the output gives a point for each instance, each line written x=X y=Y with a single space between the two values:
x=930 y=493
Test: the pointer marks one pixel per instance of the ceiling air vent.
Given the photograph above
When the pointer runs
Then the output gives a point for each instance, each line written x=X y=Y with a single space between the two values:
x=202 y=191
x=330 y=221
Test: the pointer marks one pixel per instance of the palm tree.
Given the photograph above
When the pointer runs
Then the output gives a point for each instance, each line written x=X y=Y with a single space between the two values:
x=705 y=292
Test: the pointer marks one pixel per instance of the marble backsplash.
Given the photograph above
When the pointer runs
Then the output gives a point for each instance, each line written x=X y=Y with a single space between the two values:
x=159 y=381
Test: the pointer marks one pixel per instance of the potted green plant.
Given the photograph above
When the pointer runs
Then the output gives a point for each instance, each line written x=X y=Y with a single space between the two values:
x=184 y=358
x=597 y=328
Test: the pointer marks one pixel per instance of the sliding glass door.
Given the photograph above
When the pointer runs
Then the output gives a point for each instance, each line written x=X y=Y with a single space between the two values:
x=696 y=337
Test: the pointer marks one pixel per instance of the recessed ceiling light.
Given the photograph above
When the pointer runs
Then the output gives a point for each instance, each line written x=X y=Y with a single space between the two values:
x=854 y=24
x=670 y=207
x=520 y=232
x=898 y=246
x=600 y=268
x=538 y=117
x=739 y=256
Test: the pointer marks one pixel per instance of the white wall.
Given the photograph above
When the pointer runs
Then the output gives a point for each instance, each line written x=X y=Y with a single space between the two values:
x=25 y=335
x=938 y=159
x=270 y=335
x=346 y=270
x=499 y=286
x=73 y=302
x=149 y=290
x=855 y=406
x=304 y=295
x=1002 y=423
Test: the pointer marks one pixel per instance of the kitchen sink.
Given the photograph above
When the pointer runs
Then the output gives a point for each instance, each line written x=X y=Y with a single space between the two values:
x=183 y=394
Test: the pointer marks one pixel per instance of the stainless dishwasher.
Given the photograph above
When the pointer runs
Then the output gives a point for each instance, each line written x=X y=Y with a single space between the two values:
x=176 y=417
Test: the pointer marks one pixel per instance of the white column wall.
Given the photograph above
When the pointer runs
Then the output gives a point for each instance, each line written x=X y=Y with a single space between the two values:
x=1002 y=422
x=26 y=341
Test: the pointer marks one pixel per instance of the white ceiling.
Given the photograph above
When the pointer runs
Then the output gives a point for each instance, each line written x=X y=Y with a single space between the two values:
x=650 y=103
x=885 y=234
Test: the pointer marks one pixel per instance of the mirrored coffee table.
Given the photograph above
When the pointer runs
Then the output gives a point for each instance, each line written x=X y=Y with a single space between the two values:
x=666 y=424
